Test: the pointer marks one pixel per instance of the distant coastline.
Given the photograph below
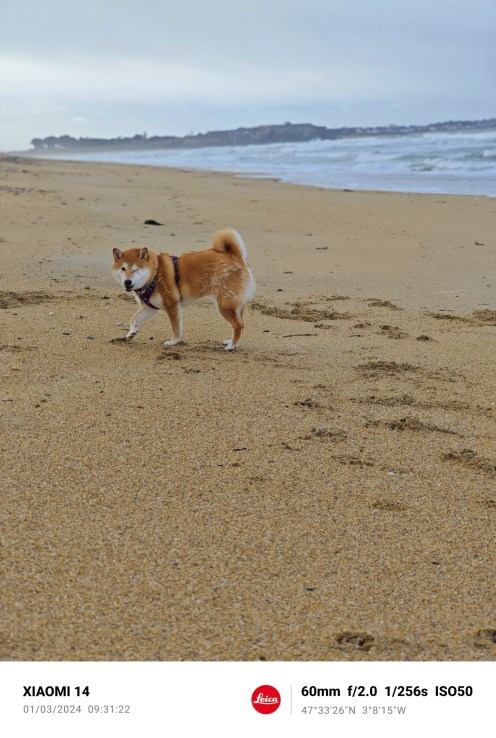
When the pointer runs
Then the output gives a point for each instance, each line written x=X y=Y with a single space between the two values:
x=265 y=134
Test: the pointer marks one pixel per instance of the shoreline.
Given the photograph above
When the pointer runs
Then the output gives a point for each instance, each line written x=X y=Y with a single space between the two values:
x=326 y=493
x=420 y=175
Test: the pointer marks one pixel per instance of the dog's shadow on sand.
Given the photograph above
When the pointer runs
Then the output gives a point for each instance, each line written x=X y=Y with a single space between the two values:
x=121 y=339
x=181 y=350
x=206 y=352
x=201 y=350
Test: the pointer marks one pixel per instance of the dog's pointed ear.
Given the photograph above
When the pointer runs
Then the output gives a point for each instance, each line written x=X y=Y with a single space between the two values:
x=117 y=254
x=143 y=254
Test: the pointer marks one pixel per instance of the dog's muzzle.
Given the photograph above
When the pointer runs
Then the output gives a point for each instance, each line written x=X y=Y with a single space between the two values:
x=128 y=285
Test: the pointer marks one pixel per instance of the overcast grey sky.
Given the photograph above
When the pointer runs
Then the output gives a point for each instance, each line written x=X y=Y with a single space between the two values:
x=120 y=67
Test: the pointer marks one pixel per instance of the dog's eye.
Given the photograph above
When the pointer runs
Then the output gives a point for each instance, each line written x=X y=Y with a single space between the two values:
x=123 y=269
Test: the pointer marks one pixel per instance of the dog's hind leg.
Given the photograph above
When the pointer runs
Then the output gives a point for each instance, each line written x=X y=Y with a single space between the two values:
x=234 y=316
x=232 y=310
x=144 y=313
x=176 y=321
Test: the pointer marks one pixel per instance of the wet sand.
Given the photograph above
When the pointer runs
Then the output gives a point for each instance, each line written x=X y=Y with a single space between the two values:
x=327 y=492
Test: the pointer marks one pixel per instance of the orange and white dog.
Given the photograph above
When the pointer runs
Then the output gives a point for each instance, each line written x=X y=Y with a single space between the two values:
x=165 y=282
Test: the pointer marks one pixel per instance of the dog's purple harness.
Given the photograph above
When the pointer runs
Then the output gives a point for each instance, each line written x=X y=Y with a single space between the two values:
x=175 y=260
x=145 y=293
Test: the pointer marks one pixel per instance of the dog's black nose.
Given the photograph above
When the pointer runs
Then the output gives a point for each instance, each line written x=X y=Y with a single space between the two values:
x=128 y=284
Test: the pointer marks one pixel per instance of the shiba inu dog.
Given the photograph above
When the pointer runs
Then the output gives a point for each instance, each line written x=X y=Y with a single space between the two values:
x=165 y=282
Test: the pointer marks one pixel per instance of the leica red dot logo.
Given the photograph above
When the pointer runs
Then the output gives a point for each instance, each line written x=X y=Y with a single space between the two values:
x=266 y=699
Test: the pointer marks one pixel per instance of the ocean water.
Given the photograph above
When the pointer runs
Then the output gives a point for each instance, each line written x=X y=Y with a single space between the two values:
x=449 y=163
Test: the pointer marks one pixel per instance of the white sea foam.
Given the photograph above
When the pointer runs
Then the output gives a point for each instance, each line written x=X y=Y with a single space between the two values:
x=451 y=163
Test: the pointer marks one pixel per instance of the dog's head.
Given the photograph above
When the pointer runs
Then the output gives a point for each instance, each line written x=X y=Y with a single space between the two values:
x=132 y=268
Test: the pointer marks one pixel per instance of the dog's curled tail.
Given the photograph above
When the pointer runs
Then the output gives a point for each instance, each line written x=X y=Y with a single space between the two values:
x=229 y=241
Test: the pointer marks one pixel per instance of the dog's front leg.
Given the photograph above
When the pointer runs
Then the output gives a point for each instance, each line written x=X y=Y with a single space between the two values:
x=144 y=313
x=176 y=321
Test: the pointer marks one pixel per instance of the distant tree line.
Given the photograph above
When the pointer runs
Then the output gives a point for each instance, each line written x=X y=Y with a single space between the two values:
x=286 y=132
x=69 y=142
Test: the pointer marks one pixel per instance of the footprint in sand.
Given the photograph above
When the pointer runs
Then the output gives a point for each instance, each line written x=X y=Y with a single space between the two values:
x=392 y=331
x=332 y=435
x=18 y=299
x=485 y=638
x=471 y=460
x=350 y=641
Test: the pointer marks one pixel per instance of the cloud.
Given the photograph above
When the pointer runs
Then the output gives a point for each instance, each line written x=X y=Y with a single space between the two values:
x=209 y=64
x=140 y=81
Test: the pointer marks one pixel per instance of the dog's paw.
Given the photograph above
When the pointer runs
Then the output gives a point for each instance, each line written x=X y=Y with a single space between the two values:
x=231 y=346
x=131 y=335
x=226 y=342
x=172 y=342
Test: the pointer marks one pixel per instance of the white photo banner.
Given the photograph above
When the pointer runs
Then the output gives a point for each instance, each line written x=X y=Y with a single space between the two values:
x=247 y=698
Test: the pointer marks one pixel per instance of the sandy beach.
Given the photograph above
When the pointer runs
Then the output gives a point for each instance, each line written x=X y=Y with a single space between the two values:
x=327 y=492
